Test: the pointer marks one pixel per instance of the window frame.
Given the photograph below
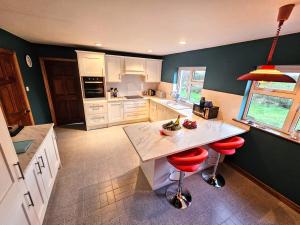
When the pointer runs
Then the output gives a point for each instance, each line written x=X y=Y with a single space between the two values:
x=294 y=111
x=191 y=82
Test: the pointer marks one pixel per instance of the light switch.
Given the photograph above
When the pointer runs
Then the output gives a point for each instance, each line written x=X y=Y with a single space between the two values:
x=27 y=88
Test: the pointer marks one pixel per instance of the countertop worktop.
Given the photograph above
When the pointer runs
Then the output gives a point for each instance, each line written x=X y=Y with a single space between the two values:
x=150 y=144
x=36 y=133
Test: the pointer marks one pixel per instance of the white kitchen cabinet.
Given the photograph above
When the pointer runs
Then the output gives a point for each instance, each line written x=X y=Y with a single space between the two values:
x=96 y=120
x=115 y=112
x=92 y=108
x=91 y=63
x=15 y=204
x=35 y=185
x=153 y=70
x=153 y=111
x=136 y=110
x=114 y=68
x=43 y=158
x=135 y=65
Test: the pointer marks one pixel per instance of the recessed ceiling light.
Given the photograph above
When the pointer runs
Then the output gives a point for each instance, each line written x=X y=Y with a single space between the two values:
x=149 y=50
x=182 y=42
x=98 y=44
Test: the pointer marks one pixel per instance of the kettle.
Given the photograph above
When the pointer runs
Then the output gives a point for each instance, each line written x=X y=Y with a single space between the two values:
x=151 y=92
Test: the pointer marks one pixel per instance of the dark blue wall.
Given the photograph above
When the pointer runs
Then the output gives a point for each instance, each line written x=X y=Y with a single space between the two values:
x=32 y=76
x=271 y=159
x=225 y=63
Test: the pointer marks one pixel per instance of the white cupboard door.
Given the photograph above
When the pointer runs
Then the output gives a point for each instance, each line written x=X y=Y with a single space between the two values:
x=153 y=70
x=115 y=112
x=153 y=111
x=35 y=185
x=135 y=65
x=91 y=63
x=13 y=207
x=114 y=68
x=44 y=161
x=55 y=154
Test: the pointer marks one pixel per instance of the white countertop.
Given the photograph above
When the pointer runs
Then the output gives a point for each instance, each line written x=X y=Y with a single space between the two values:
x=150 y=144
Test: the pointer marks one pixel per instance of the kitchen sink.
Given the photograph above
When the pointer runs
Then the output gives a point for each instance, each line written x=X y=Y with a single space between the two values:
x=176 y=105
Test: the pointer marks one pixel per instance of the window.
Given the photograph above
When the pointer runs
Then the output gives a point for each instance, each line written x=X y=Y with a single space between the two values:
x=275 y=104
x=190 y=83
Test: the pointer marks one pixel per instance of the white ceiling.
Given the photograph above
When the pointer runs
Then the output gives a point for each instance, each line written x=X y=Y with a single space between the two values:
x=139 y=25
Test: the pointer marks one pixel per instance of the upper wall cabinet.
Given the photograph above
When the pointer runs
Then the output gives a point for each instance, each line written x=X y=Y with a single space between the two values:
x=135 y=65
x=114 y=68
x=153 y=70
x=91 y=63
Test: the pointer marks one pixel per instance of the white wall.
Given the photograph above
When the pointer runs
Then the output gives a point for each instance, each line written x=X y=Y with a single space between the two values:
x=132 y=85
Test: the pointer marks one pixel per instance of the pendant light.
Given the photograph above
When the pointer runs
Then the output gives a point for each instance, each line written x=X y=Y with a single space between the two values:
x=269 y=72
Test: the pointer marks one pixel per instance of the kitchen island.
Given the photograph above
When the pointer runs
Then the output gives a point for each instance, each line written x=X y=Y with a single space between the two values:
x=152 y=147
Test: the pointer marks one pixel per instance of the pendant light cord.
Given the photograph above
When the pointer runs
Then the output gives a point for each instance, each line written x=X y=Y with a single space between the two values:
x=270 y=56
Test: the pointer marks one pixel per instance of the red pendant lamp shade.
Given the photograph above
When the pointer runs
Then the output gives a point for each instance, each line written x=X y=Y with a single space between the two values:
x=269 y=72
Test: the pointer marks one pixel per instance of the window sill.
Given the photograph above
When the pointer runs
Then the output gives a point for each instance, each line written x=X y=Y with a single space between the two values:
x=269 y=130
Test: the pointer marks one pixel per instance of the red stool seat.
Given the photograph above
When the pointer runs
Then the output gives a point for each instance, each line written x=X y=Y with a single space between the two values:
x=228 y=146
x=188 y=161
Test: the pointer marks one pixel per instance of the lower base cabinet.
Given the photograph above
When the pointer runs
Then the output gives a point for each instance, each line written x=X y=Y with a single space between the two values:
x=40 y=175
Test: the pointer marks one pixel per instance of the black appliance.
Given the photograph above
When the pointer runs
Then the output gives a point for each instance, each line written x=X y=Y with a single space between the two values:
x=206 y=112
x=93 y=87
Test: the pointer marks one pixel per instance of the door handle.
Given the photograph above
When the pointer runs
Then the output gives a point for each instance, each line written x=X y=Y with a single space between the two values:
x=43 y=164
x=20 y=169
x=40 y=170
x=27 y=111
x=30 y=198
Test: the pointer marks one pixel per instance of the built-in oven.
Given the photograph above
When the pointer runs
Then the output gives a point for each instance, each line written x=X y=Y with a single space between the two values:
x=93 y=87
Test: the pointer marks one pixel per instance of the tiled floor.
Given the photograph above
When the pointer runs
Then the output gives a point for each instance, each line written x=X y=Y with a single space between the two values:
x=101 y=183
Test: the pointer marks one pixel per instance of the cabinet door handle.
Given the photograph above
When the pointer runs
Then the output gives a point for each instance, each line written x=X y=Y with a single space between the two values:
x=30 y=198
x=43 y=164
x=20 y=169
x=119 y=76
x=40 y=170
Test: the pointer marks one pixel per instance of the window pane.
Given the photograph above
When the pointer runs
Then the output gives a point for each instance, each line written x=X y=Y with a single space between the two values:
x=195 y=94
x=280 y=85
x=298 y=125
x=198 y=75
x=269 y=110
x=184 y=81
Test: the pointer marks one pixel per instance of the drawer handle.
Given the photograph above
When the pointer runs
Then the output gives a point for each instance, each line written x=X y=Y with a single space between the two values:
x=40 y=170
x=20 y=169
x=30 y=198
x=43 y=164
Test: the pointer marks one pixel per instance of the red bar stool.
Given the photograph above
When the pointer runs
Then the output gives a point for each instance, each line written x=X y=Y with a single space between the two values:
x=188 y=161
x=225 y=147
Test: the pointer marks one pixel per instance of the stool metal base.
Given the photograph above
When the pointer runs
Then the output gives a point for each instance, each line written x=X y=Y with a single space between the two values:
x=179 y=199
x=214 y=180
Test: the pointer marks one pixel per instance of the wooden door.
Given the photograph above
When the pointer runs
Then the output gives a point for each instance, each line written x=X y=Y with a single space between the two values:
x=13 y=99
x=63 y=90
x=15 y=204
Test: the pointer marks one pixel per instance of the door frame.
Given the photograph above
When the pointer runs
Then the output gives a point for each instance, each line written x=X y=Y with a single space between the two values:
x=20 y=81
x=46 y=82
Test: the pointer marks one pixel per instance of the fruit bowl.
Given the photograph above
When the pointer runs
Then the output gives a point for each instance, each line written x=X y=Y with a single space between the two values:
x=169 y=132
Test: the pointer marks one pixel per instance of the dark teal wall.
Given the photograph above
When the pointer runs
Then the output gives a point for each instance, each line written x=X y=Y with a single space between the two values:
x=32 y=76
x=225 y=63
x=271 y=159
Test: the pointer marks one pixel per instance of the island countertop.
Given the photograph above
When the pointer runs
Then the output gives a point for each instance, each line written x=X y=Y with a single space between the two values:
x=150 y=144
x=36 y=133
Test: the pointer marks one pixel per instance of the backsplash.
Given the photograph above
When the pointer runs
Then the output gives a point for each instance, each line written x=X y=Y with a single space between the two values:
x=132 y=85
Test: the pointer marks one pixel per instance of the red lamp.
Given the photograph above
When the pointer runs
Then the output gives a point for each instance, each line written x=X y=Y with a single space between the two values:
x=269 y=72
